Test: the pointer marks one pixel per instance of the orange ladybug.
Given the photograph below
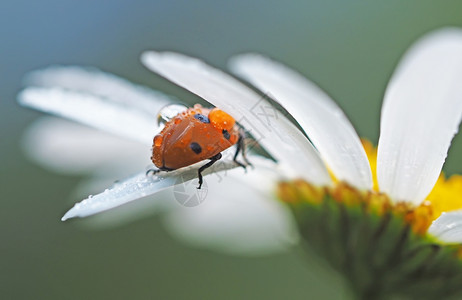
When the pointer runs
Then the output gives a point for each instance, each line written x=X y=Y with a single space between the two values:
x=194 y=135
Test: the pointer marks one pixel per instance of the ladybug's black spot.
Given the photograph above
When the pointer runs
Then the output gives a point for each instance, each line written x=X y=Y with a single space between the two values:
x=202 y=118
x=226 y=134
x=195 y=147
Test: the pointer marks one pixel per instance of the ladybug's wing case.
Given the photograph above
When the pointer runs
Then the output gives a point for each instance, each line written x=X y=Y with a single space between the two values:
x=174 y=150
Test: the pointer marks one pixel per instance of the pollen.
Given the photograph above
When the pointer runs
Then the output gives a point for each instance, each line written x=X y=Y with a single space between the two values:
x=300 y=189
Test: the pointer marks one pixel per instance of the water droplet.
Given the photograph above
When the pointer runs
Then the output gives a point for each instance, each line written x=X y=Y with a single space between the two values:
x=169 y=112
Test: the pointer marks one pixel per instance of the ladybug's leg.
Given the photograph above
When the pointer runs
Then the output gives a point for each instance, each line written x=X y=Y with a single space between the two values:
x=152 y=171
x=155 y=171
x=240 y=146
x=244 y=148
x=207 y=165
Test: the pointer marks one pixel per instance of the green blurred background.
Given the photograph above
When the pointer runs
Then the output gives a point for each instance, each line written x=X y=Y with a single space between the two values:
x=349 y=48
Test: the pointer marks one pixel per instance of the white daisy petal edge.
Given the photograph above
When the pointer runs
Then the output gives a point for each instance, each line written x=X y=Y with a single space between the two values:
x=244 y=221
x=448 y=227
x=272 y=130
x=322 y=120
x=140 y=186
x=421 y=113
x=90 y=80
x=127 y=213
x=67 y=147
x=117 y=118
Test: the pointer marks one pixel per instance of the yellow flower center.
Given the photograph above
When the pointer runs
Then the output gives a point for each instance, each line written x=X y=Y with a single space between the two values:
x=445 y=196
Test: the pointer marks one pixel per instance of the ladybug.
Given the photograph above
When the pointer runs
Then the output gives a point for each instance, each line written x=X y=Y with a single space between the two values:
x=194 y=135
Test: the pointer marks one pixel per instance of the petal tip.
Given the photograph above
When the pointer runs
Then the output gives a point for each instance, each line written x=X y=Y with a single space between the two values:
x=22 y=97
x=150 y=58
x=72 y=213
x=67 y=216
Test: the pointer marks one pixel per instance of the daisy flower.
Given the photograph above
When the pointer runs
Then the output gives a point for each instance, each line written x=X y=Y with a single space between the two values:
x=386 y=218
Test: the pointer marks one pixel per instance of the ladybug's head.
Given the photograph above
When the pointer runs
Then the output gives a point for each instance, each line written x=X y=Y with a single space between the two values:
x=221 y=120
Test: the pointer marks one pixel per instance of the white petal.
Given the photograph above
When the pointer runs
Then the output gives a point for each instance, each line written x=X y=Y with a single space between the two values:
x=270 y=128
x=322 y=120
x=70 y=148
x=89 y=80
x=421 y=113
x=126 y=214
x=239 y=216
x=118 y=118
x=448 y=227
x=140 y=186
